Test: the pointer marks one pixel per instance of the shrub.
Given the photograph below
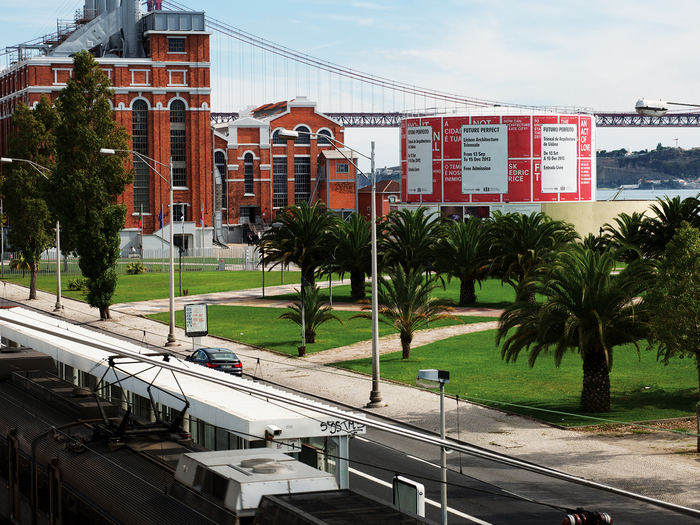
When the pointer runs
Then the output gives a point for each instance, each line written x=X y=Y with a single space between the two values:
x=135 y=268
x=79 y=284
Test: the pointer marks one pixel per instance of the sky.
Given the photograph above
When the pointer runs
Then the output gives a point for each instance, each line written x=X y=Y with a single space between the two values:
x=598 y=54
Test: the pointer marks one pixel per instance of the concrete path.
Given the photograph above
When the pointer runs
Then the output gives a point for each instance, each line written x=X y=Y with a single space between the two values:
x=660 y=465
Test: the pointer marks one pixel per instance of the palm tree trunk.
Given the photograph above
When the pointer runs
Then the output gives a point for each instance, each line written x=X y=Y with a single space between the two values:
x=310 y=336
x=357 y=285
x=467 y=292
x=595 y=395
x=406 y=338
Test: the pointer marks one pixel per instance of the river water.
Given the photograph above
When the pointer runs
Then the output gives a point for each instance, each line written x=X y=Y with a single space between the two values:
x=644 y=195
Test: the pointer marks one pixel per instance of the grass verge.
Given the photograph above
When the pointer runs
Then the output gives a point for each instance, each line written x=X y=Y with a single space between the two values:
x=263 y=327
x=642 y=389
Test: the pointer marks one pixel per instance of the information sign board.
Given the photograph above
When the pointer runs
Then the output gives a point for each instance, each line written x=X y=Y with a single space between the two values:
x=196 y=321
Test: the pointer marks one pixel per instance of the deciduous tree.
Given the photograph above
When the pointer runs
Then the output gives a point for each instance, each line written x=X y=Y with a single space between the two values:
x=674 y=301
x=86 y=184
x=25 y=188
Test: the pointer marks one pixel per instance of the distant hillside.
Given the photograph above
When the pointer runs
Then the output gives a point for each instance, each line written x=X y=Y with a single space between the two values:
x=616 y=168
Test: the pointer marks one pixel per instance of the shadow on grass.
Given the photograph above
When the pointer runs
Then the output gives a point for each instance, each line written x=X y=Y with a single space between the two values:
x=628 y=407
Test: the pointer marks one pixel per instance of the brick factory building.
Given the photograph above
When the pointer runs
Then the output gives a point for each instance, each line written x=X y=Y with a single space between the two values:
x=159 y=68
x=262 y=173
x=159 y=65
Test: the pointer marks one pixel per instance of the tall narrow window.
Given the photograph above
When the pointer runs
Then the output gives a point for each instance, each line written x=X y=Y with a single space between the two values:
x=220 y=161
x=180 y=212
x=248 y=173
x=279 y=182
x=139 y=121
x=304 y=138
x=178 y=143
x=302 y=179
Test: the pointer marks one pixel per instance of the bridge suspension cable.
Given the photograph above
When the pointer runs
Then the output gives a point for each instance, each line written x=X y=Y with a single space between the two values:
x=342 y=72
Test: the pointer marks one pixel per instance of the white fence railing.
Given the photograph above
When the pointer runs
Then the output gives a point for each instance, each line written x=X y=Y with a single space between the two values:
x=235 y=258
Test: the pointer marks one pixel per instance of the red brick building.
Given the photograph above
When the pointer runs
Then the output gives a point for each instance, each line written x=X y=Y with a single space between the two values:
x=387 y=195
x=226 y=180
x=261 y=173
x=160 y=70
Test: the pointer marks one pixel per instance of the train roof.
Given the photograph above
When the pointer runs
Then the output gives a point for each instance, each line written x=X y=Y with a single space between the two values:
x=239 y=405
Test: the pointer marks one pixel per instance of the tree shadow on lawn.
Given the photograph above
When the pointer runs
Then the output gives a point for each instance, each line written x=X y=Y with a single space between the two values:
x=630 y=406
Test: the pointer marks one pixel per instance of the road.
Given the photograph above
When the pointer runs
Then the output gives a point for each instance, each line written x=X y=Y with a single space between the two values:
x=485 y=492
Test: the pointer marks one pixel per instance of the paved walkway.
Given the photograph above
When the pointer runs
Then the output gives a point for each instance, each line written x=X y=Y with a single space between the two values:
x=650 y=464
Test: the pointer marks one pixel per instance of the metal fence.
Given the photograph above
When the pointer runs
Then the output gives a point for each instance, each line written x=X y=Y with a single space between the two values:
x=235 y=258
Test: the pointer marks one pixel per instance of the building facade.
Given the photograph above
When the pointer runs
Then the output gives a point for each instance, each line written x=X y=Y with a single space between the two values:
x=159 y=66
x=259 y=173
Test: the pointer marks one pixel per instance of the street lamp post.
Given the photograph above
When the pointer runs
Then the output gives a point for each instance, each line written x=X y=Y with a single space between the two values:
x=331 y=258
x=375 y=396
x=433 y=379
x=43 y=170
x=106 y=151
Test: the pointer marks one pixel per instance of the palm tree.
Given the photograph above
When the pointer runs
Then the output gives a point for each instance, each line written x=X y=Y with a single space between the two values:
x=586 y=309
x=628 y=237
x=353 y=253
x=304 y=236
x=670 y=214
x=409 y=304
x=409 y=238
x=315 y=314
x=20 y=263
x=519 y=243
x=461 y=252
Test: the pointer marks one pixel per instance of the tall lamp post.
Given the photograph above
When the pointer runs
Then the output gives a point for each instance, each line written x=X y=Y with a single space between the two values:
x=375 y=395
x=434 y=379
x=43 y=171
x=107 y=151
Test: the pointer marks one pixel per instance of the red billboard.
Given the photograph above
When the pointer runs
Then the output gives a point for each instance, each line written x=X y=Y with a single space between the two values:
x=516 y=158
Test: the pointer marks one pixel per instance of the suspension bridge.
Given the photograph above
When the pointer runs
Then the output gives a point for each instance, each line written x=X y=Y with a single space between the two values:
x=247 y=70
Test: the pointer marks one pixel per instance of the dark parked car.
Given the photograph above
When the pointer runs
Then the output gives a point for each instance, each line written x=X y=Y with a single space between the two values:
x=218 y=358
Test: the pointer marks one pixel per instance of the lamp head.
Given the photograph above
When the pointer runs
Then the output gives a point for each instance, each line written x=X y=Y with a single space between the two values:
x=432 y=378
x=652 y=108
x=286 y=134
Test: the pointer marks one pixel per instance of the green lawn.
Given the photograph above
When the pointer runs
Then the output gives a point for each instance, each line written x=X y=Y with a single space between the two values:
x=263 y=327
x=133 y=288
x=641 y=390
x=491 y=294
x=147 y=286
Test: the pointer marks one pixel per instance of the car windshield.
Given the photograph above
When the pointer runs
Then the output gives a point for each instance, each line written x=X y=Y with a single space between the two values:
x=222 y=356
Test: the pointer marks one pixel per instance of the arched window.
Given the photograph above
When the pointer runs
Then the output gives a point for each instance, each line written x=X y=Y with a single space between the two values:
x=323 y=137
x=248 y=173
x=220 y=162
x=178 y=143
x=304 y=139
x=276 y=138
x=139 y=134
